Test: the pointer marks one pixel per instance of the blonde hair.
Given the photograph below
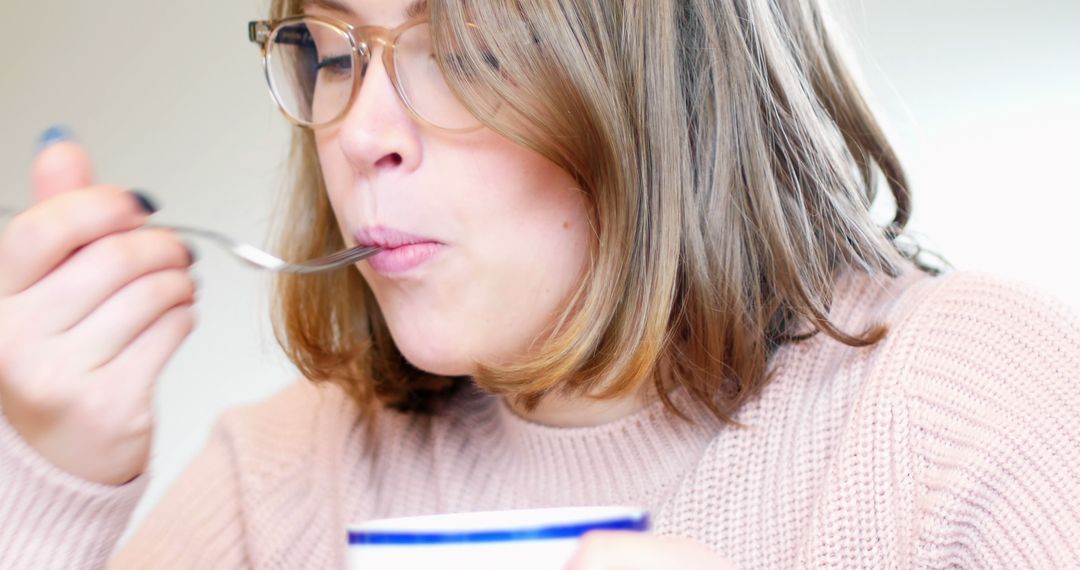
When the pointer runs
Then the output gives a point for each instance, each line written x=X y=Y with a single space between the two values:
x=730 y=162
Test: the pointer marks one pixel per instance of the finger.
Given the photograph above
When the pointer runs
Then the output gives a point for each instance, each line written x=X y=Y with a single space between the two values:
x=85 y=280
x=61 y=166
x=38 y=239
x=106 y=332
x=146 y=356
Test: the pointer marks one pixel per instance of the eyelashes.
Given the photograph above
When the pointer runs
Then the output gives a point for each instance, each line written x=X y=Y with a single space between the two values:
x=338 y=65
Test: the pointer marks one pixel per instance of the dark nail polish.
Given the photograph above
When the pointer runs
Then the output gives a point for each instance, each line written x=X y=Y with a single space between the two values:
x=193 y=254
x=145 y=202
x=53 y=135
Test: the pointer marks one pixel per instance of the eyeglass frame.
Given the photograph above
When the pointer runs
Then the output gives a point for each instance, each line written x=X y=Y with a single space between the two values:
x=260 y=32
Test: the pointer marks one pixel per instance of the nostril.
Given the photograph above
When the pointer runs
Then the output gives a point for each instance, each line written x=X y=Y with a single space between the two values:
x=392 y=159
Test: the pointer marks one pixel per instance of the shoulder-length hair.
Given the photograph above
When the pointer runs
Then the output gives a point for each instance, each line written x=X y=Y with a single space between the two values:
x=730 y=161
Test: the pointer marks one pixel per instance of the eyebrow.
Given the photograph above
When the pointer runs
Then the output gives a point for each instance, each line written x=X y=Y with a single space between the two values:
x=415 y=8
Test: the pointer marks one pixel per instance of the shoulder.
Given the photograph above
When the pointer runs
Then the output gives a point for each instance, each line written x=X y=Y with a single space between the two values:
x=964 y=421
x=299 y=404
x=969 y=344
x=985 y=330
x=302 y=426
x=973 y=296
x=308 y=425
x=989 y=373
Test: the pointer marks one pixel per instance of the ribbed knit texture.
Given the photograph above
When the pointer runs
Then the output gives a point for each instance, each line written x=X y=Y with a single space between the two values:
x=953 y=443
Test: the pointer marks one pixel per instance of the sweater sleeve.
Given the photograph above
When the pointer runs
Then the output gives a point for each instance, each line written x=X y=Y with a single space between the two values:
x=995 y=390
x=198 y=523
x=52 y=519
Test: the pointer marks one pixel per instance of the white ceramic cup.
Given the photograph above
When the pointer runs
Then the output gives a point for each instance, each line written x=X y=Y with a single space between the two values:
x=528 y=539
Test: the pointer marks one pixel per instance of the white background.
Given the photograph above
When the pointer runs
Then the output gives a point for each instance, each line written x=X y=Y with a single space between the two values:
x=980 y=97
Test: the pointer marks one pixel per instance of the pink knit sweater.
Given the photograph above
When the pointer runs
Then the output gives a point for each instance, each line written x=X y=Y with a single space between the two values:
x=955 y=442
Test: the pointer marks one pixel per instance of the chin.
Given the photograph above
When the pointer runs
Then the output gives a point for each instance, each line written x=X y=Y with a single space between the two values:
x=434 y=358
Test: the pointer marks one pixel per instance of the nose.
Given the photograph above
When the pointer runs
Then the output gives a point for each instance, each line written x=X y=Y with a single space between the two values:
x=377 y=134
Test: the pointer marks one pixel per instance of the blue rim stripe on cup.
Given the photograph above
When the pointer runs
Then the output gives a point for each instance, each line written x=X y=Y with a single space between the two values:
x=543 y=533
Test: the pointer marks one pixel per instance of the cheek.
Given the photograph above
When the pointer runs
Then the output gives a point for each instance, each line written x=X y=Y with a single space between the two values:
x=527 y=256
x=337 y=177
x=522 y=244
x=546 y=245
x=518 y=238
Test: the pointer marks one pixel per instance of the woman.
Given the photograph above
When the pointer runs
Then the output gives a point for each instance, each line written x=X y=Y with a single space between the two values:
x=628 y=260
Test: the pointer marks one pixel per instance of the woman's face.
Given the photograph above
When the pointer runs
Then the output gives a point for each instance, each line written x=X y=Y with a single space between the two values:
x=504 y=232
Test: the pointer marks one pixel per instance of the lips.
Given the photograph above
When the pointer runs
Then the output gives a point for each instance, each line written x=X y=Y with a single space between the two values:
x=402 y=251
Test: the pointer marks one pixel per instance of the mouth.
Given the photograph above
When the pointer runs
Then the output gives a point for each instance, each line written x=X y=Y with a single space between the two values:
x=401 y=251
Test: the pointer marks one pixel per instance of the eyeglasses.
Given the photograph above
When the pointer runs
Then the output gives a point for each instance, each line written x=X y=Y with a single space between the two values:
x=315 y=67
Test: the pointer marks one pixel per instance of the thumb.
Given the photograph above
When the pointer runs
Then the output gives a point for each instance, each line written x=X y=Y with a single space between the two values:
x=61 y=165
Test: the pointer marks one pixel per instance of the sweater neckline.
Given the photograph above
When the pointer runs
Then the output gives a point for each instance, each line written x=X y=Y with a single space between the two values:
x=650 y=412
x=633 y=460
x=636 y=459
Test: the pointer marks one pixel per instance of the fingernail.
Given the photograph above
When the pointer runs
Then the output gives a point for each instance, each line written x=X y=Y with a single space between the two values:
x=53 y=135
x=145 y=202
x=192 y=253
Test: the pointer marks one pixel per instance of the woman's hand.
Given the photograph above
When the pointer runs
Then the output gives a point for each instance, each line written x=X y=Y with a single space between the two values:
x=609 y=550
x=91 y=309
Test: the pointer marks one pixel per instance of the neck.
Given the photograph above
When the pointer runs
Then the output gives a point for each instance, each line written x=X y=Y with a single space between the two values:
x=557 y=410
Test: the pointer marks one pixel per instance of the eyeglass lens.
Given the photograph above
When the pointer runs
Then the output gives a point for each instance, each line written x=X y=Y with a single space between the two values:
x=310 y=66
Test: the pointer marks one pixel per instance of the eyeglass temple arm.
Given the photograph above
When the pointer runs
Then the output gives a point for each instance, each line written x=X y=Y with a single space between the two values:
x=259 y=33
